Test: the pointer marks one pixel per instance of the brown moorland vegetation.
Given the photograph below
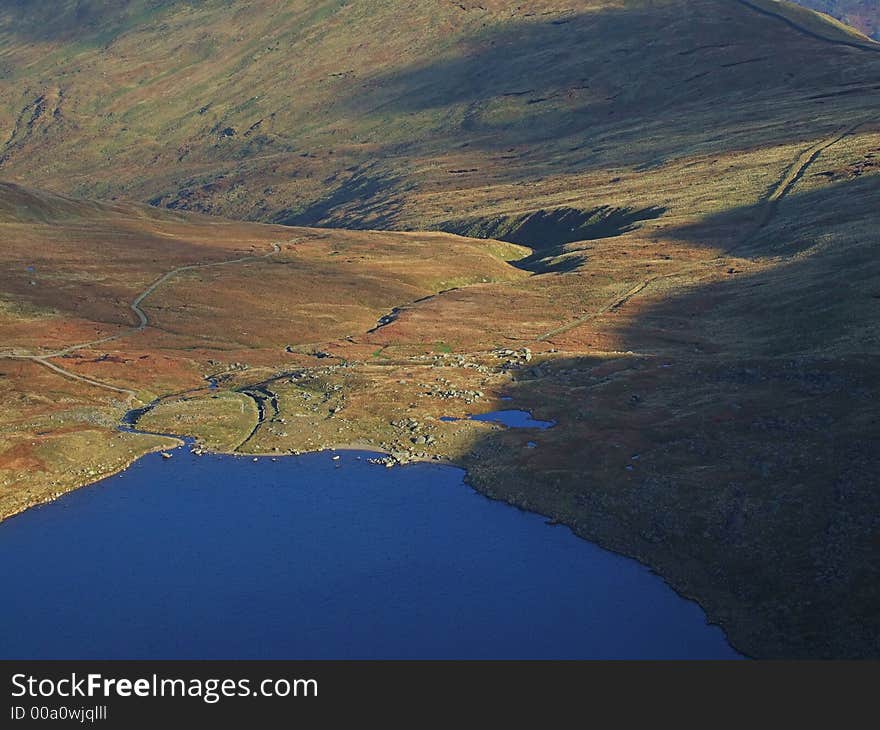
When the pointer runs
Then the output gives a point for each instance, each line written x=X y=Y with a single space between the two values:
x=697 y=305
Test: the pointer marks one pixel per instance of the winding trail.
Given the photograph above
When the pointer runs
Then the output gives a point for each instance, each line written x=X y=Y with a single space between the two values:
x=143 y=323
x=75 y=376
x=610 y=307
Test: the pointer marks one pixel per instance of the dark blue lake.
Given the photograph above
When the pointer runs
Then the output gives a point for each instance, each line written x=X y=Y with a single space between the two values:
x=513 y=419
x=509 y=418
x=306 y=557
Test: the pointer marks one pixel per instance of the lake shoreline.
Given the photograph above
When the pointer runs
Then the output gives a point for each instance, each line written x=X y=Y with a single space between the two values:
x=675 y=580
x=177 y=503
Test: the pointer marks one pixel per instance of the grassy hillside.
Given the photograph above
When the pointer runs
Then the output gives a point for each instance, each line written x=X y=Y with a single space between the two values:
x=374 y=115
x=696 y=183
x=713 y=376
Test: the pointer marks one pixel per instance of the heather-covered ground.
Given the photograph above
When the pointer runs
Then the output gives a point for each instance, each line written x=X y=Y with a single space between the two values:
x=653 y=223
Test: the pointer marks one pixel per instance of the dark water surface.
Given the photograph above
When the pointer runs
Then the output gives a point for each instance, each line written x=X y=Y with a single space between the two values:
x=513 y=419
x=510 y=418
x=306 y=557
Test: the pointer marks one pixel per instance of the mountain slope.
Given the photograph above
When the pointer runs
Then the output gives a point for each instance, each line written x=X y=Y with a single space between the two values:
x=373 y=115
x=697 y=182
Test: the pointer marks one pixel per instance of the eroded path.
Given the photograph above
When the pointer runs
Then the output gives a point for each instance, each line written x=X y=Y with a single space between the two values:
x=770 y=207
x=789 y=179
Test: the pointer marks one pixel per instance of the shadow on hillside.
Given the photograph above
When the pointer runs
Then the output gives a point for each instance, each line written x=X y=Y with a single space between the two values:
x=609 y=88
x=736 y=452
x=360 y=201
x=824 y=290
x=722 y=81
x=795 y=223
x=548 y=231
